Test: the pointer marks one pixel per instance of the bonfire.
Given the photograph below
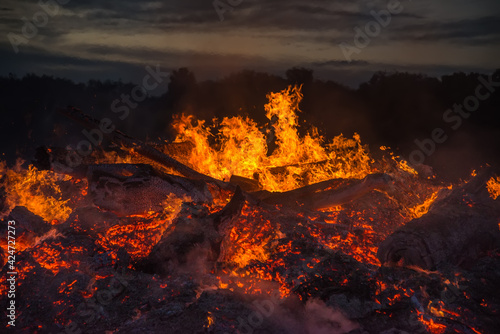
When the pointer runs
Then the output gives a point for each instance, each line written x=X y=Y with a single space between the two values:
x=236 y=227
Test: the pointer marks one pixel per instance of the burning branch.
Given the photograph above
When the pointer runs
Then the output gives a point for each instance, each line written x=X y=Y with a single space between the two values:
x=329 y=193
x=137 y=146
x=313 y=197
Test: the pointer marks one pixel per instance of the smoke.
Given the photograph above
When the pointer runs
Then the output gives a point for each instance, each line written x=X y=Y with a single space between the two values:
x=315 y=317
x=52 y=234
x=321 y=319
x=199 y=261
x=291 y=316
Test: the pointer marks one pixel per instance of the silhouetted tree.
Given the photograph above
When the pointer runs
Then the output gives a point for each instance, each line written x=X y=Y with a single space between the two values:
x=181 y=82
x=299 y=76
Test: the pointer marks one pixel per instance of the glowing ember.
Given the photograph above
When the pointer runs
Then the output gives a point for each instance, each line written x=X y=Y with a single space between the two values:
x=54 y=256
x=248 y=238
x=433 y=327
x=494 y=187
x=210 y=320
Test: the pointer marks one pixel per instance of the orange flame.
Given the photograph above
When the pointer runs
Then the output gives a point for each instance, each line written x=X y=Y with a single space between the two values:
x=421 y=209
x=242 y=148
x=493 y=186
x=38 y=191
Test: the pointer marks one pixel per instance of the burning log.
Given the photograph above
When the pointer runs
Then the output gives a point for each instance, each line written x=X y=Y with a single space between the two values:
x=127 y=189
x=127 y=142
x=192 y=239
x=32 y=228
x=89 y=220
x=189 y=237
x=328 y=193
x=106 y=178
x=133 y=189
x=317 y=196
x=31 y=222
x=138 y=188
x=457 y=229
x=249 y=185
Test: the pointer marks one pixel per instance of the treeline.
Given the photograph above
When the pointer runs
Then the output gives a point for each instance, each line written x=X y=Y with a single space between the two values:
x=391 y=109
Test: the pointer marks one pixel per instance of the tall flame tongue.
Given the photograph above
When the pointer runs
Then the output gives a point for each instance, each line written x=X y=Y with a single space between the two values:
x=242 y=148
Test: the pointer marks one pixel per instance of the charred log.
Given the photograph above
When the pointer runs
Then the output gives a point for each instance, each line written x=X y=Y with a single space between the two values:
x=184 y=240
x=174 y=150
x=231 y=210
x=89 y=221
x=132 y=189
x=328 y=193
x=28 y=226
x=248 y=185
x=192 y=240
x=59 y=160
x=457 y=229
x=127 y=189
x=129 y=143
x=31 y=222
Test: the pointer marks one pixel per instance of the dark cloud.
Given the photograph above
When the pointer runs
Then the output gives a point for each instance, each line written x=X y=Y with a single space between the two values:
x=341 y=63
x=40 y=62
x=33 y=60
x=482 y=30
x=319 y=24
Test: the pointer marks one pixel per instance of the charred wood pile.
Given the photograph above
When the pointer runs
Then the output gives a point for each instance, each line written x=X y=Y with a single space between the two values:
x=142 y=242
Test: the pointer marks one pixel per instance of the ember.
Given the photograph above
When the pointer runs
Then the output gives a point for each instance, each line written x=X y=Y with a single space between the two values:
x=235 y=227
x=494 y=187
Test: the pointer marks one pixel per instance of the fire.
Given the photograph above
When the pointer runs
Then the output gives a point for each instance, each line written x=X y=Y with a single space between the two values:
x=55 y=256
x=258 y=253
x=421 y=209
x=245 y=245
x=401 y=163
x=210 y=320
x=39 y=191
x=142 y=232
x=240 y=147
x=432 y=326
x=494 y=187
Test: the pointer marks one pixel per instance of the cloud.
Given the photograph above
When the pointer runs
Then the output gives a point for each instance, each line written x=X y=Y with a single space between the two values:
x=261 y=35
x=341 y=63
x=482 y=30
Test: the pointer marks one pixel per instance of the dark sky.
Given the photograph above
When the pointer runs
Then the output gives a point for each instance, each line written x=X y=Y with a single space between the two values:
x=118 y=39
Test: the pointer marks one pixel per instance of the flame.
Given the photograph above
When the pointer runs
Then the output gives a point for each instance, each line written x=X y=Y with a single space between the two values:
x=421 y=209
x=38 y=191
x=240 y=147
x=210 y=320
x=493 y=186
x=403 y=165
x=400 y=162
